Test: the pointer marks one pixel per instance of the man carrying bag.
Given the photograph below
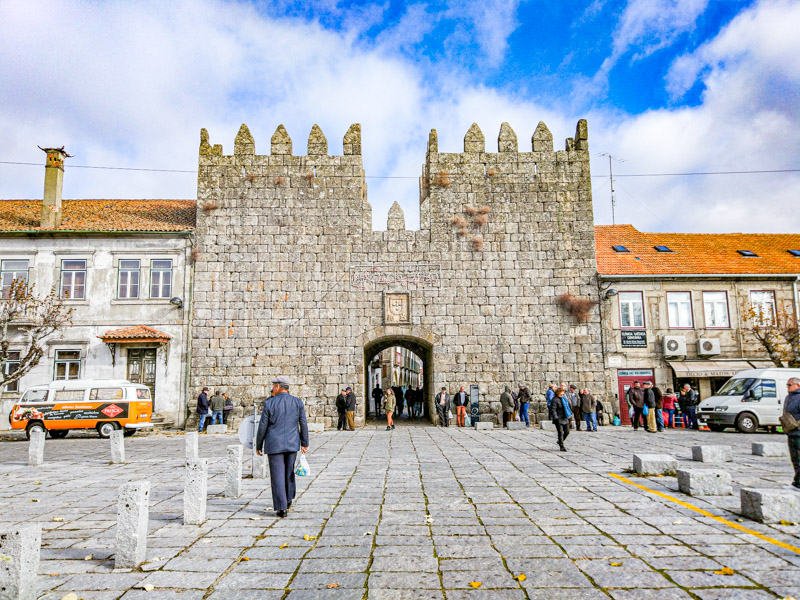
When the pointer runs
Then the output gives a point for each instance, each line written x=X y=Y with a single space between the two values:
x=790 y=421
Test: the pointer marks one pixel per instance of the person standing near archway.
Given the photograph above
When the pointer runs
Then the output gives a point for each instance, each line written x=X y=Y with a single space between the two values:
x=377 y=396
x=442 y=407
x=351 y=408
x=460 y=401
x=389 y=404
x=341 y=410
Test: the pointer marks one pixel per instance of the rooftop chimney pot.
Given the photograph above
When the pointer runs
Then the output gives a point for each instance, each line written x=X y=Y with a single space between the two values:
x=53 y=182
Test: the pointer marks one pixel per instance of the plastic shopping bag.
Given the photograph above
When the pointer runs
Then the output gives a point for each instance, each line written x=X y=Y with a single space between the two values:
x=467 y=421
x=645 y=410
x=301 y=468
x=617 y=421
x=630 y=412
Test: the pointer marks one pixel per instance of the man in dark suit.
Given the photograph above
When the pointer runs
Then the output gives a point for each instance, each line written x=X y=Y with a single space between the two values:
x=443 y=407
x=282 y=431
x=351 y=408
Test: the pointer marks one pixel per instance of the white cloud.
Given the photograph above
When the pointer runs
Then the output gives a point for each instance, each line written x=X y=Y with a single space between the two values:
x=131 y=85
x=748 y=120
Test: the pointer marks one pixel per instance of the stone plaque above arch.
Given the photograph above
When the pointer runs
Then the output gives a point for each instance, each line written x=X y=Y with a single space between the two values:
x=397 y=308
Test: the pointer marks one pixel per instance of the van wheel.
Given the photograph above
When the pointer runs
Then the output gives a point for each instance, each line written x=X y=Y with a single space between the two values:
x=34 y=426
x=58 y=434
x=128 y=432
x=716 y=427
x=104 y=429
x=747 y=423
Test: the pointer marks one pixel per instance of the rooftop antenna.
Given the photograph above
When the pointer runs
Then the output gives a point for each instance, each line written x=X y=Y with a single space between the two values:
x=611 y=180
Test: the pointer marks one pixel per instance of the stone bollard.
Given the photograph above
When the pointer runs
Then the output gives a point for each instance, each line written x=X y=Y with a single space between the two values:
x=216 y=429
x=117 y=438
x=770 y=449
x=547 y=425
x=133 y=510
x=712 y=453
x=19 y=549
x=705 y=482
x=654 y=464
x=770 y=505
x=484 y=425
x=191 y=445
x=195 y=491
x=516 y=425
x=233 y=472
x=36 y=448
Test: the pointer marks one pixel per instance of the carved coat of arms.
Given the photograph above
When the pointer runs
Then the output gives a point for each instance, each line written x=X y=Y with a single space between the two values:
x=396 y=309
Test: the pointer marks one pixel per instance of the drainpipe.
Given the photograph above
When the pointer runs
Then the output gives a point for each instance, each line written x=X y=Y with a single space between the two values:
x=188 y=329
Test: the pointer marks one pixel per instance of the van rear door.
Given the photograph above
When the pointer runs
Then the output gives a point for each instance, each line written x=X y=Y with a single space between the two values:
x=762 y=399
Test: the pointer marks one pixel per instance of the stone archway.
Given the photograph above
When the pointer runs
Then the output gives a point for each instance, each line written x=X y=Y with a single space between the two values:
x=417 y=339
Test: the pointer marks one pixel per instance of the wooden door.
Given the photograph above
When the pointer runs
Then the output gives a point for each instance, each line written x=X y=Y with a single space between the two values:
x=142 y=369
x=625 y=378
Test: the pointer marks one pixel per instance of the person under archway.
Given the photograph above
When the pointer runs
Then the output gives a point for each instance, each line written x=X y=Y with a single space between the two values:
x=389 y=404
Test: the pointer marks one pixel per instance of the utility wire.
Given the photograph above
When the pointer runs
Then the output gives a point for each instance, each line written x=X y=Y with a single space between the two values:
x=753 y=172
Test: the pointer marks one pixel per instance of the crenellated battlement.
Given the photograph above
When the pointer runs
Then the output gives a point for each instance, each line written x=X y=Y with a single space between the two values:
x=281 y=143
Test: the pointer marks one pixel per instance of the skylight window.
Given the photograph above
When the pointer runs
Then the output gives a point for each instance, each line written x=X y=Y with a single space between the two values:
x=620 y=249
x=662 y=249
x=748 y=253
x=794 y=252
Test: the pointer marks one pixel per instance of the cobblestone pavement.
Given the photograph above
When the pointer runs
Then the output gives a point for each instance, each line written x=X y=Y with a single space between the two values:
x=419 y=512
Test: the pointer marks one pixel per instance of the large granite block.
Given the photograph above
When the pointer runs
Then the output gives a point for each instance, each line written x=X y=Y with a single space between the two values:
x=705 y=482
x=654 y=464
x=770 y=448
x=713 y=454
x=770 y=505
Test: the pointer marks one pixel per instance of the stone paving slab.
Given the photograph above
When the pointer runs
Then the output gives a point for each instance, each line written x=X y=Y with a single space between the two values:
x=418 y=512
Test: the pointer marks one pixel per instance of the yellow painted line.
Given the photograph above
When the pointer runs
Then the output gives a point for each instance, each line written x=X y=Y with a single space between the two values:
x=705 y=513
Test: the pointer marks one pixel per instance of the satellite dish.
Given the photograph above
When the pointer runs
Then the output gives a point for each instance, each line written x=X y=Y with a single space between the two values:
x=247 y=431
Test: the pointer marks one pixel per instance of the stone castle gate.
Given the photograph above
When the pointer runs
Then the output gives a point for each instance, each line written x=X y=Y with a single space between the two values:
x=290 y=278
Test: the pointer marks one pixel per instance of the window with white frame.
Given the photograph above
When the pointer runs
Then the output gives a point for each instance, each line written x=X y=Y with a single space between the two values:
x=679 y=310
x=67 y=364
x=161 y=278
x=11 y=270
x=631 y=310
x=763 y=303
x=715 y=308
x=11 y=365
x=129 y=273
x=73 y=279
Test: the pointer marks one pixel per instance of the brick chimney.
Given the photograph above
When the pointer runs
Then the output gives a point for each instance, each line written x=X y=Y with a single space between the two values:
x=53 y=181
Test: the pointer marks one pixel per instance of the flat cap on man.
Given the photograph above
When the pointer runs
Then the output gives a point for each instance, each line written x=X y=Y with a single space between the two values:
x=348 y=389
x=281 y=380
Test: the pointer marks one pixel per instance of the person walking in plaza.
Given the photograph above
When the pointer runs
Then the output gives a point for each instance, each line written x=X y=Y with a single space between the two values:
x=460 y=401
x=388 y=408
x=791 y=407
x=442 y=407
x=524 y=399
x=341 y=410
x=650 y=404
x=599 y=410
x=217 y=406
x=351 y=408
x=575 y=405
x=399 y=397
x=684 y=415
x=202 y=409
x=550 y=393
x=226 y=411
x=560 y=417
x=507 y=406
x=282 y=431
x=588 y=405
x=659 y=406
x=668 y=406
x=691 y=400
x=377 y=397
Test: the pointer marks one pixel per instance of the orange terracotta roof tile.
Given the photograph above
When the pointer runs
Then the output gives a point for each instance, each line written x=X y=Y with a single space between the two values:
x=102 y=215
x=694 y=253
x=136 y=333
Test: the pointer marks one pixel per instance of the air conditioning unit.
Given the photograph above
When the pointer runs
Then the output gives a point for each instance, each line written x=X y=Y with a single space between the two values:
x=674 y=345
x=707 y=346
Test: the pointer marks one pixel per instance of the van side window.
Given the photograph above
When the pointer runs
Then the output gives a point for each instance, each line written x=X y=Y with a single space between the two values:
x=143 y=393
x=765 y=389
x=105 y=394
x=34 y=396
x=62 y=395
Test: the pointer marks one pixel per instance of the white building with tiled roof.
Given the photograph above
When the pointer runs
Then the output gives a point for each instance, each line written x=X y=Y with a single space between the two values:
x=125 y=268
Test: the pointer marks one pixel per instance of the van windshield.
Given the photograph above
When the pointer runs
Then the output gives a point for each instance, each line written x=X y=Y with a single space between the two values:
x=35 y=396
x=736 y=387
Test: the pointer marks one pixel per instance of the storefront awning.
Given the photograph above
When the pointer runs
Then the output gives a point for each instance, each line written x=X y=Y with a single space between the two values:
x=708 y=368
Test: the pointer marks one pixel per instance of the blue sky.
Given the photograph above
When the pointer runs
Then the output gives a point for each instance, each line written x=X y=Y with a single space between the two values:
x=666 y=85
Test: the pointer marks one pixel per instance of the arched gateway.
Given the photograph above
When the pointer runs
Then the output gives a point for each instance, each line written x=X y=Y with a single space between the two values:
x=289 y=277
x=419 y=341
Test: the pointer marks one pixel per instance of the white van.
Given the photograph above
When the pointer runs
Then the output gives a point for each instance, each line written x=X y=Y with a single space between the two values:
x=101 y=404
x=748 y=400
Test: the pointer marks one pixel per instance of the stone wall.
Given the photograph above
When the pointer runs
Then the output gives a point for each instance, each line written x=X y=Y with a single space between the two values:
x=290 y=278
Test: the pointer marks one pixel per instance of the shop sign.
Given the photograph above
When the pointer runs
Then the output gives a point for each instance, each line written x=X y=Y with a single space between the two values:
x=636 y=338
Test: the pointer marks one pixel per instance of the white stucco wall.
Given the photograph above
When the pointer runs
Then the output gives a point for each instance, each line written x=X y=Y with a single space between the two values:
x=101 y=310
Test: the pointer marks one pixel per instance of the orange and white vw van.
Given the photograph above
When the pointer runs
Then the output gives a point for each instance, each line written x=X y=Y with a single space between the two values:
x=101 y=404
